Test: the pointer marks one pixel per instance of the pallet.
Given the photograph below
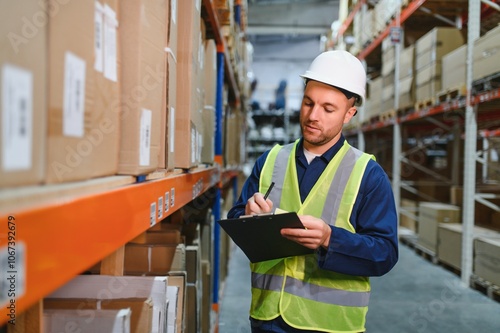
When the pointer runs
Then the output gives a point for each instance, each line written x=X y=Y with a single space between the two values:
x=486 y=84
x=425 y=104
x=388 y=115
x=485 y=287
x=450 y=268
x=404 y=110
x=426 y=253
x=452 y=93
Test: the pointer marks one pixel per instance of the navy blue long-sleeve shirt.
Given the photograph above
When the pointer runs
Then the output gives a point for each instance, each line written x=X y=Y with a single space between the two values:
x=373 y=249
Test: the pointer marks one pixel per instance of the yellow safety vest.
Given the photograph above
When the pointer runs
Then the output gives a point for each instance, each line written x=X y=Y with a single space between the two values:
x=296 y=288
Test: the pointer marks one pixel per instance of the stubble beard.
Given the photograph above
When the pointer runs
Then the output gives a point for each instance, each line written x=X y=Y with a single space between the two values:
x=313 y=140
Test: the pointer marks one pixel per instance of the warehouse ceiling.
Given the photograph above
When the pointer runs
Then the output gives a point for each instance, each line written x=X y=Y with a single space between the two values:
x=269 y=19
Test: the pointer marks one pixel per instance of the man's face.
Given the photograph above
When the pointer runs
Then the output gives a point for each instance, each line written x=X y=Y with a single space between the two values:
x=323 y=112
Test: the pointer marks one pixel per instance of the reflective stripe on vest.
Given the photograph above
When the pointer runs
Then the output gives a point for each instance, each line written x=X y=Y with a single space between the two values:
x=326 y=295
x=279 y=173
x=310 y=291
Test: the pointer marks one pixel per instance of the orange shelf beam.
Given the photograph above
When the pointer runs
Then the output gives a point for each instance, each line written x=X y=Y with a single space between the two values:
x=405 y=14
x=58 y=241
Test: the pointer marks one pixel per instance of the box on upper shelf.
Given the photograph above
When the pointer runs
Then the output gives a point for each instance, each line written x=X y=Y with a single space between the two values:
x=23 y=112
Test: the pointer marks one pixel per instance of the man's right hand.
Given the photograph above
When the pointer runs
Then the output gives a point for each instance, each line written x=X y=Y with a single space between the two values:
x=257 y=205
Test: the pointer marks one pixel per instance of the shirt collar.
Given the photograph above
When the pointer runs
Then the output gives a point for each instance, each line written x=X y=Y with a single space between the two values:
x=327 y=155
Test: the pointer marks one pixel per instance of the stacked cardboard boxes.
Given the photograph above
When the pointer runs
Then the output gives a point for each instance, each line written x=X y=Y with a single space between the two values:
x=486 y=257
x=449 y=248
x=429 y=51
x=407 y=78
x=83 y=124
x=454 y=69
x=142 y=46
x=430 y=215
x=190 y=52
x=375 y=88
x=388 y=63
x=136 y=292
x=486 y=54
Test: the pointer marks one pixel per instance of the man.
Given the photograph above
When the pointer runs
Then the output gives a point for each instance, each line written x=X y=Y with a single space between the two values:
x=345 y=202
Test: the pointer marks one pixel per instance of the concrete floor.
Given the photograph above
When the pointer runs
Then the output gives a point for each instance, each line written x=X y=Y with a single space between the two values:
x=415 y=297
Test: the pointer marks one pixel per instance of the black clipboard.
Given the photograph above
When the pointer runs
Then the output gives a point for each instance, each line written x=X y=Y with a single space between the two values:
x=259 y=236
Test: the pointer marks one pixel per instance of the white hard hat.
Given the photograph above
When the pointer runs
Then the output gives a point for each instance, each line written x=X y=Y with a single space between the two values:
x=339 y=69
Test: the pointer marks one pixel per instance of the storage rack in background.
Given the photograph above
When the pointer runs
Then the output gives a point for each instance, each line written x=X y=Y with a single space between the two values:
x=402 y=138
x=270 y=127
x=62 y=230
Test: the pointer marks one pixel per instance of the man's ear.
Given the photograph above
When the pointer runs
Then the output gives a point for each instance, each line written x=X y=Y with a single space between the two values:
x=349 y=114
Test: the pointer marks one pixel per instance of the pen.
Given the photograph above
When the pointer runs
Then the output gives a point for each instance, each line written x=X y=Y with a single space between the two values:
x=269 y=190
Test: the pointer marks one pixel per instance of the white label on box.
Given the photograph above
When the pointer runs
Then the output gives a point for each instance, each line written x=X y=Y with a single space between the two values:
x=98 y=37
x=17 y=118
x=74 y=96
x=173 y=8
x=12 y=271
x=110 y=44
x=145 y=138
x=171 y=129
x=172 y=196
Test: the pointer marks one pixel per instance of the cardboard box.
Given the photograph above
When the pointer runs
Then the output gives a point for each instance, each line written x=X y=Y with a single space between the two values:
x=192 y=309
x=148 y=259
x=486 y=54
x=407 y=62
x=141 y=318
x=83 y=122
x=142 y=48
x=152 y=253
x=119 y=287
x=210 y=91
x=454 y=68
x=487 y=257
x=375 y=95
x=172 y=27
x=113 y=321
x=435 y=44
x=206 y=296
x=23 y=113
x=450 y=243
x=406 y=92
x=161 y=236
x=167 y=146
x=409 y=220
x=167 y=156
x=430 y=215
x=428 y=73
x=193 y=286
x=176 y=294
x=428 y=90
x=188 y=125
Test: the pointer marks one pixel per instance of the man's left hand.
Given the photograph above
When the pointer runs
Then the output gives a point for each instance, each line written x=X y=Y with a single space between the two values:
x=316 y=234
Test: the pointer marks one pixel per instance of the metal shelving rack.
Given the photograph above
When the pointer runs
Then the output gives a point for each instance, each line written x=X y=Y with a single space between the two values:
x=60 y=237
x=433 y=115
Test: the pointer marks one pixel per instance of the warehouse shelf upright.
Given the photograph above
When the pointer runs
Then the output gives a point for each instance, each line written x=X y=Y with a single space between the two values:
x=455 y=118
x=53 y=233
